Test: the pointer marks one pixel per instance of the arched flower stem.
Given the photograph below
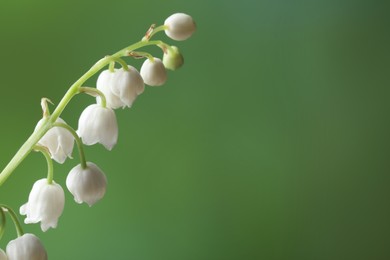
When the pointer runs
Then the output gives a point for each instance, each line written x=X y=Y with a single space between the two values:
x=118 y=60
x=137 y=54
x=158 y=29
x=111 y=67
x=94 y=92
x=27 y=147
x=14 y=218
x=46 y=153
x=79 y=143
x=2 y=222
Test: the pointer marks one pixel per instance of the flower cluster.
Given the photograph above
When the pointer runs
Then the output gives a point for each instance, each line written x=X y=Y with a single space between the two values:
x=55 y=139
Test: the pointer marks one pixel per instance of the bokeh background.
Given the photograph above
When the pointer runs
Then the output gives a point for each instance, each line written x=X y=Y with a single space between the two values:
x=272 y=142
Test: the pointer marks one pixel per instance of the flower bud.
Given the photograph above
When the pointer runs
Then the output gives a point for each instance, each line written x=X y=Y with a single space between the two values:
x=87 y=185
x=98 y=124
x=173 y=59
x=153 y=72
x=3 y=256
x=26 y=247
x=58 y=140
x=120 y=87
x=45 y=204
x=179 y=26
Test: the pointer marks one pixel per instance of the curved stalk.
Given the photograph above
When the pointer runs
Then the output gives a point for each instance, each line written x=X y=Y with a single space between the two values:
x=27 y=147
x=11 y=212
x=95 y=92
x=79 y=143
x=2 y=222
x=46 y=153
x=158 y=29
x=23 y=151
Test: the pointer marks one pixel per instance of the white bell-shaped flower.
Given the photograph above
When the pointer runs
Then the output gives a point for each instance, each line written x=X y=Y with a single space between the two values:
x=127 y=85
x=58 y=140
x=3 y=256
x=104 y=83
x=98 y=124
x=87 y=185
x=45 y=204
x=26 y=247
x=153 y=72
x=120 y=87
x=179 y=26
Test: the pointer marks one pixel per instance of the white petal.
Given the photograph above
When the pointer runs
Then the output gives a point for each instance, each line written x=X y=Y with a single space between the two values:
x=126 y=85
x=45 y=204
x=98 y=125
x=3 y=256
x=26 y=247
x=141 y=89
x=59 y=142
x=153 y=72
x=87 y=185
x=23 y=209
x=109 y=128
x=104 y=84
x=180 y=26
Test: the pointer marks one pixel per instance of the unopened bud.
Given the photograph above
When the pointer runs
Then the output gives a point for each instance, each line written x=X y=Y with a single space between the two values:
x=179 y=26
x=173 y=59
x=153 y=72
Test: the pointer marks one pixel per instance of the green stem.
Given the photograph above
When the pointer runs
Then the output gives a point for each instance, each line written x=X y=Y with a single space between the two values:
x=2 y=222
x=121 y=62
x=94 y=92
x=141 y=54
x=15 y=219
x=23 y=151
x=26 y=148
x=111 y=67
x=79 y=143
x=158 y=29
x=46 y=153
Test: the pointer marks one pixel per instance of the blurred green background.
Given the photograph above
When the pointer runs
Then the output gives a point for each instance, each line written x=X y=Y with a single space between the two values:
x=272 y=142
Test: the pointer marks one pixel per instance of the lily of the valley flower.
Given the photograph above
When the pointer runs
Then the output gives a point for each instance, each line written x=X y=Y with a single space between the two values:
x=120 y=87
x=45 y=204
x=179 y=26
x=98 y=124
x=153 y=72
x=58 y=140
x=26 y=247
x=87 y=185
x=3 y=256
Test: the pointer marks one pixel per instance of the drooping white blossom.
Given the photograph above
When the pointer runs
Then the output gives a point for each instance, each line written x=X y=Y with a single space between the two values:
x=120 y=87
x=87 y=185
x=58 y=140
x=26 y=247
x=153 y=72
x=3 y=256
x=127 y=85
x=45 y=204
x=103 y=84
x=98 y=124
x=179 y=26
